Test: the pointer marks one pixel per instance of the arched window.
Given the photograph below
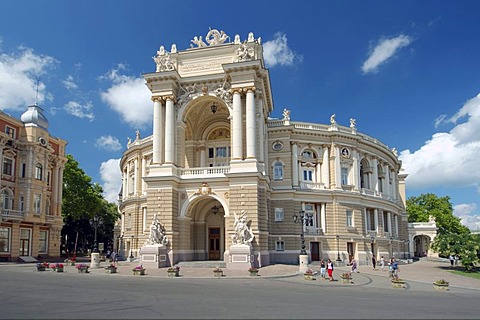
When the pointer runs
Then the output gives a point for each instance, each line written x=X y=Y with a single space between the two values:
x=6 y=199
x=278 y=171
x=38 y=171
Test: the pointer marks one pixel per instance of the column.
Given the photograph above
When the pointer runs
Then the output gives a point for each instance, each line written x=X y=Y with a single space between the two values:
x=375 y=175
x=338 y=169
x=169 y=130
x=325 y=167
x=124 y=183
x=295 y=164
x=251 y=127
x=135 y=177
x=375 y=219
x=144 y=173
x=323 y=217
x=261 y=130
x=356 y=170
x=157 y=130
x=127 y=183
x=389 y=221
x=237 y=152
x=202 y=156
x=365 y=219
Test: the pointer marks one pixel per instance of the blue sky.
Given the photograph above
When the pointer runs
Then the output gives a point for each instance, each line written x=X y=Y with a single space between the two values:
x=407 y=71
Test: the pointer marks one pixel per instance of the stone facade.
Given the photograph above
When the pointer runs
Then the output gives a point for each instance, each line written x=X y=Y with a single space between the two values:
x=31 y=187
x=214 y=153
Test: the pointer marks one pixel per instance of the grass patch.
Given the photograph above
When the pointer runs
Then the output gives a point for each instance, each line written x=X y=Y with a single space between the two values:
x=474 y=274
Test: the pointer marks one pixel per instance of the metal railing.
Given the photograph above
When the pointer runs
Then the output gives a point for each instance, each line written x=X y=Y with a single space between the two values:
x=9 y=214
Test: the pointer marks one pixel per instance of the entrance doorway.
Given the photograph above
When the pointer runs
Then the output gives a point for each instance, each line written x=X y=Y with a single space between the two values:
x=315 y=251
x=24 y=242
x=351 y=252
x=213 y=243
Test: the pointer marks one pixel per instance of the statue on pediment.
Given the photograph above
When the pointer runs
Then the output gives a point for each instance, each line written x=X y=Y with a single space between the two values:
x=198 y=41
x=214 y=37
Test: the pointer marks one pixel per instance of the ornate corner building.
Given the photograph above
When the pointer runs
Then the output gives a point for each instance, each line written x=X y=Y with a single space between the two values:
x=215 y=154
x=31 y=187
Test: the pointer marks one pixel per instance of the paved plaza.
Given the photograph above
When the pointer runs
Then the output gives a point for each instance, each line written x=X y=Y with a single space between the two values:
x=279 y=292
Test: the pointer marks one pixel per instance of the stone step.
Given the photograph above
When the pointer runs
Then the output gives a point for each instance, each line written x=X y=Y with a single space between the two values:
x=28 y=259
x=202 y=264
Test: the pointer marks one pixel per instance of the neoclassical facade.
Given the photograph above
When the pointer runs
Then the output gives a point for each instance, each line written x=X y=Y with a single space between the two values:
x=215 y=154
x=31 y=187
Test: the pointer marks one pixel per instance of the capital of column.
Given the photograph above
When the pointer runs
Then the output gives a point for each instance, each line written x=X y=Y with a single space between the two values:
x=248 y=89
x=157 y=98
x=171 y=98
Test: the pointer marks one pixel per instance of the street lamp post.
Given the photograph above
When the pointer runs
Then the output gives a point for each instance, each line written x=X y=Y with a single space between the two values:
x=301 y=219
x=131 y=249
x=408 y=246
x=338 y=248
x=95 y=222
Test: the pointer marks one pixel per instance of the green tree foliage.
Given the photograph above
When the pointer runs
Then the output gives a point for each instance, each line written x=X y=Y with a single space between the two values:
x=82 y=200
x=466 y=246
x=420 y=208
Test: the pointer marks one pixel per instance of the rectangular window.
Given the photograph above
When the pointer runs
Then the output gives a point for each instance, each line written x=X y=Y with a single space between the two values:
x=371 y=219
x=278 y=171
x=222 y=152
x=311 y=210
x=38 y=172
x=4 y=239
x=48 y=177
x=280 y=245
x=7 y=166
x=42 y=246
x=24 y=169
x=307 y=175
x=385 y=221
x=10 y=132
x=349 y=216
x=278 y=214
x=22 y=203
x=210 y=153
x=344 y=175
x=37 y=204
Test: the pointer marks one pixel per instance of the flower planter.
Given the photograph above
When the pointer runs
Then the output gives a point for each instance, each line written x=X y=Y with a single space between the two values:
x=41 y=268
x=398 y=283
x=440 y=286
x=59 y=269
x=218 y=274
x=253 y=273
x=138 y=272
x=110 y=270
x=346 y=280
x=82 y=270
x=173 y=274
x=309 y=277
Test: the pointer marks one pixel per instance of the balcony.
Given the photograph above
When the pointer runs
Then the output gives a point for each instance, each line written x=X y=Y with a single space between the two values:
x=203 y=172
x=312 y=185
x=49 y=217
x=12 y=215
x=312 y=231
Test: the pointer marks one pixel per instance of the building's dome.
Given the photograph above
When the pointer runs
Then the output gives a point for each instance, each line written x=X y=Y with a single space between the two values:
x=34 y=117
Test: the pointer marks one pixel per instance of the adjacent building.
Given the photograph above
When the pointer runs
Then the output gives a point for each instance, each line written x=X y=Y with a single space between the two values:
x=215 y=154
x=31 y=187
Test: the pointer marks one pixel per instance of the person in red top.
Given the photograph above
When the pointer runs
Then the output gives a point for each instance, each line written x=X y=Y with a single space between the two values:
x=330 y=269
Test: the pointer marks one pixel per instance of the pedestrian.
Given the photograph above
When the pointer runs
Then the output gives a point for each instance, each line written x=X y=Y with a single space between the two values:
x=395 y=268
x=330 y=269
x=390 y=268
x=452 y=259
x=114 y=257
x=323 y=270
x=374 y=262
x=354 y=266
x=382 y=263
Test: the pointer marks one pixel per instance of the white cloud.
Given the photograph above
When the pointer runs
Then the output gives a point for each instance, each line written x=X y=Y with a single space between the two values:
x=385 y=49
x=467 y=213
x=129 y=97
x=448 y=158
x=17 y=79
x=69 y=83
x=112 y=179
x=80 y=110
x=277 y=51
x=108 y=143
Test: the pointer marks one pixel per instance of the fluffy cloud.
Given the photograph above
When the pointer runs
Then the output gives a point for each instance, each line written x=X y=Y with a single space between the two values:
x=80 y=110
x=17 y=79
x=383 y=51
x=277 y=51
x=108 y=143
x=112 y=179
x=448 y=158
x=466 y=212
x=69 y=83
x=129 y=97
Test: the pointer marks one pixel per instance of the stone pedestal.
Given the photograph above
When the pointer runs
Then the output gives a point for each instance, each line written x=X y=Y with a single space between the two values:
x=154 y=256
x=95 y=260
x=240 y=257
x=303 y=263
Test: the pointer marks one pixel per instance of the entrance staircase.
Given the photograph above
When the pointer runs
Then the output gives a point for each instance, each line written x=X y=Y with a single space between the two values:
x=27 y=259
x=202 y=264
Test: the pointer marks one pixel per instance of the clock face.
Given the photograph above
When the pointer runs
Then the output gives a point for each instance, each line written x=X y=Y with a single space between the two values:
x=345 y=152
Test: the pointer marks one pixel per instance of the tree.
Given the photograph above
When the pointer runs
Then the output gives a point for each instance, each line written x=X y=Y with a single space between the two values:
x=82 y=200
x=420 y=208
x=466 y=246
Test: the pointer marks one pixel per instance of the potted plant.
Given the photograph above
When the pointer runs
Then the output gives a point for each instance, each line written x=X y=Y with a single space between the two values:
x=138 y=271
x=42 y=266
x=346 y=277
x=58 y=267
x=82 y=268
x=217 y=272
x=173 y=271
x=69 y=262
x=111 y=268
x=253 y=271
x=397 y=282
x=308 y=275
x=441 y=285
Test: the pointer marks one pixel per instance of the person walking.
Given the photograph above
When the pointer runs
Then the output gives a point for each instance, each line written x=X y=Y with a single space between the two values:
x=323 y=270
x=354 y=266
x=382 y=263
x=452 y=260
x=395 y=268
x=330 y=269
x=374 y=262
